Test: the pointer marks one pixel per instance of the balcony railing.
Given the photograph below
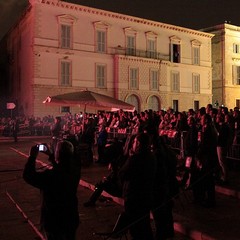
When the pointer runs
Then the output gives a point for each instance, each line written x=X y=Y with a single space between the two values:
x=141 y=53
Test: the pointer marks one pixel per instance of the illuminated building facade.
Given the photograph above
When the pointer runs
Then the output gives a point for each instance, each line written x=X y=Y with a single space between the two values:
x=59 y=47
x=226 y=64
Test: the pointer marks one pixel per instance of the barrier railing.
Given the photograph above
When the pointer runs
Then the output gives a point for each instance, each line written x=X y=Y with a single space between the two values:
x=173 y=138
x=119 y=133
x=234 y=152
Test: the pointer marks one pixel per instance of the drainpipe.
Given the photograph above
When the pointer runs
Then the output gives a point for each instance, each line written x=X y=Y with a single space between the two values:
x=116 y=77
x=223 y=65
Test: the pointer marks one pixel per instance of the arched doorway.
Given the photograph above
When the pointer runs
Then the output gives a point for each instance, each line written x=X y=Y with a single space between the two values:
x=153 y=103
x=133 y=99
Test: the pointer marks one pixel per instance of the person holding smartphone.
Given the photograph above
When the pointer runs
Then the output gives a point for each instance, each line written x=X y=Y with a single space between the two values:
x=58 y=186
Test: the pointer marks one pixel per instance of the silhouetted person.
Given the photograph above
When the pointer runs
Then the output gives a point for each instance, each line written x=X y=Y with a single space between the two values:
x=56 y=132
x=204 y=187
x=101 y=143
x=15 y=129
x=137 y=176
x=190 y=150
x=88 y=137
x=59 y=210
x=165 y=189
x=116 y=155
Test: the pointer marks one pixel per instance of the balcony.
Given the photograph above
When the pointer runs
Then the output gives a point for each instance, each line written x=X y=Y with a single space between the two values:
x=141 y=53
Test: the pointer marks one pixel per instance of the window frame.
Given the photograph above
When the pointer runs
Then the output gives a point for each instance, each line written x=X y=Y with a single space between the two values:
x=101 y=80
x=196 y=55
x=151 y=44
x=154 y=79
x=153 y=103
x=66 y=41
x=175 y=81
x=236 y=48
x=196 y=52
x=133 y=78
x=175 y=105
x=196 y=83
x=62 y=109
x=236 y=75
x=196 y=105
x=101 y=44
x=131 y=50
x=68 y=21
x=65 y=74
x=237 y=103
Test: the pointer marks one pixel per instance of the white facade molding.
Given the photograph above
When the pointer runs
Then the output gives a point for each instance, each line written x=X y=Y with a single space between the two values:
x=175 y=40
x=101 y=25
x=119 y=16
x=196 y=43
x=66 y=18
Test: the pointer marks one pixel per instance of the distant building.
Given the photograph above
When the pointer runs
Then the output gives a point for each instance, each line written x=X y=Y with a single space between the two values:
x=59 y=47
x=226 y=64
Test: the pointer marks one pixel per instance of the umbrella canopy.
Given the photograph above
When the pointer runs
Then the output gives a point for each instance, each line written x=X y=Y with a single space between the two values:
x=89 y=99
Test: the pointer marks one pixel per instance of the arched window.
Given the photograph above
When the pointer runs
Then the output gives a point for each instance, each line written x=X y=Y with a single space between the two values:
x=153 y=103
x=133 y=99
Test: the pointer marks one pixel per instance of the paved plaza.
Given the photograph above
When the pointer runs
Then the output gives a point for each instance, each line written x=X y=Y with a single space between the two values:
x=20 y=203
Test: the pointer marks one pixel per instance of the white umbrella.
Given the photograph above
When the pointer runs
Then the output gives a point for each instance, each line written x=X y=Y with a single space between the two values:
x=90 y=99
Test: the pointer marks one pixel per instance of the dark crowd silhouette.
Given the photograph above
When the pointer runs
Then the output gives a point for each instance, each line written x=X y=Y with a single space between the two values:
x=141 y=159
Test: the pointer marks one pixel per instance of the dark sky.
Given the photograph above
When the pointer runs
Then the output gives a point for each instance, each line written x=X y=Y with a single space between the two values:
x=195 y=14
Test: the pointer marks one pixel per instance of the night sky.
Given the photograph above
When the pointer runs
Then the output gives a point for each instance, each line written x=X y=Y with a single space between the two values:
x=195 y=14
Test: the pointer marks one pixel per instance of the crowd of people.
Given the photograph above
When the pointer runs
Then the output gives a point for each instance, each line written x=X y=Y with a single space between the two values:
x=132 y=121
x=142 y=165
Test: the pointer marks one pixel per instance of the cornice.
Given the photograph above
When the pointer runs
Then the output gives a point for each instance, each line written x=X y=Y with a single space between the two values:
x=119 y=16
x=222 y=27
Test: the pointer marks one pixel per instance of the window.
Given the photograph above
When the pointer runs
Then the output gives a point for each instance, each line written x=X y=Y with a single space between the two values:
x=101 y=41
x=196 y=83
x=66 y=23
x=131 y=45
x=130 y=36
x=196 y=55
x=196 y=105
x=238 y=103
x=65 y=78
x=196 y=52
x=236 y=48
x=66 y=36
x=133 y=78
x=101 y=29
x=236 y=75
x=133 y=99
x=175 y=105
x=65 y=109
x=151 y=48
x=101 y=76
x=151 y=38
x=175 y=53
x=153 y=103
x=175 y=81
x=153 y=80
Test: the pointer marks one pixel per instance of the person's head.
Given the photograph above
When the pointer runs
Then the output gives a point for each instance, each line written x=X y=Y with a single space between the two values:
x=141 y=143
x=191 y=121
x=202 y=111
x=57 y=119
x=206 y=119
x=220 y=118
x=64 y=153
x=209 y=108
